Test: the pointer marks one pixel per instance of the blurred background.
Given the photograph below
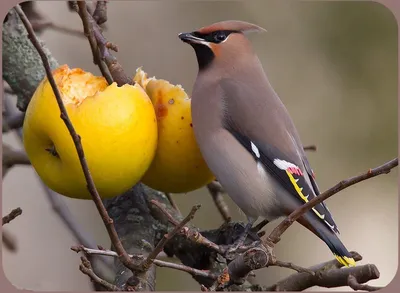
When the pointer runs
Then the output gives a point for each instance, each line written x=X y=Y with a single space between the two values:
x=334 y=65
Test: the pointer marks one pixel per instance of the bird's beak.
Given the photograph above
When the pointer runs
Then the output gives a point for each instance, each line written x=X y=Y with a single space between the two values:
x=190 y=38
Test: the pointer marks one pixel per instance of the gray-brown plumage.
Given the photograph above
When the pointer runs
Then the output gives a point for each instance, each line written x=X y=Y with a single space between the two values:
x=246 y=135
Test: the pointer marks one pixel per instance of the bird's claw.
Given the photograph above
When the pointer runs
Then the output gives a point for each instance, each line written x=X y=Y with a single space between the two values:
x=231 y=251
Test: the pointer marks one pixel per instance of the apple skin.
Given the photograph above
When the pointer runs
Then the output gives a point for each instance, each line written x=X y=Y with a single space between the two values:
x=117 y=126
x=178 y=166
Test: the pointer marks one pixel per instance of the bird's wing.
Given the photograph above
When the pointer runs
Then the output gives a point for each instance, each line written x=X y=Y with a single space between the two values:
x=286 y=163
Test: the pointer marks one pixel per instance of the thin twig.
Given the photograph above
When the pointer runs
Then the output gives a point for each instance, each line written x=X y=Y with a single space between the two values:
x=86 y=268
x=157 y=262
x=170 y=218
x=172 y=202
x=216 y=191
x=353 y=284
x=274 y=237
x=100 y=13
x=108 y=222
x=312 y=148
x=191 y=234
x=103 y=46
x=160 y=246
x=292 y=266
x=88 y=30
x=11 y=216
x=183 y=268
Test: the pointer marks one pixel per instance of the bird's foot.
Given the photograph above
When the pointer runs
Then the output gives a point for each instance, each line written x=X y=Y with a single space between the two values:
x=232 y=250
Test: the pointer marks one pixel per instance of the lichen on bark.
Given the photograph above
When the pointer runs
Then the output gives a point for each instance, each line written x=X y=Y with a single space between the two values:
x=22 y=67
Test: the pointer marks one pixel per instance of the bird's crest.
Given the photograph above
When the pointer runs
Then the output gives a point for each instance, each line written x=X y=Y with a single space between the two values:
x=232 y=25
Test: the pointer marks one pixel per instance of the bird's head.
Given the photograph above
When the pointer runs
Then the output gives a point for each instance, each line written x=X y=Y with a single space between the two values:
x=220 y=41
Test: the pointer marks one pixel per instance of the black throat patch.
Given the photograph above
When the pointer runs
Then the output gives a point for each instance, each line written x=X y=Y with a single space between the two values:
x=204 y=55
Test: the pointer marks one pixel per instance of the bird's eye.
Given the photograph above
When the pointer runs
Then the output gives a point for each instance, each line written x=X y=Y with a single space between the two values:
x=219 y=36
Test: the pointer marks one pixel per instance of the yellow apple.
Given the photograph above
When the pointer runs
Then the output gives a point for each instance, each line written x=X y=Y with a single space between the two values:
x=118 y=130
x=178 y=165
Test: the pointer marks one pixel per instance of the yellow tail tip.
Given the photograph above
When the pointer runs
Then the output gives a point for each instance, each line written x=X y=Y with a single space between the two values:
x=346 y=261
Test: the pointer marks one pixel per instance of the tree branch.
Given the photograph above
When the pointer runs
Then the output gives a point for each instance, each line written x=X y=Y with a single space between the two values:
x=11 y=216
x=160 y=246
x=172 y=202
x=355 y=285
x=101 y=48
x=274 y=237
x=157 y=262
x=100 y=13
x=18 y=52
x=311 y=148
x=328 y=274
x=86 y=268
x=216 y=192
x=88 y=24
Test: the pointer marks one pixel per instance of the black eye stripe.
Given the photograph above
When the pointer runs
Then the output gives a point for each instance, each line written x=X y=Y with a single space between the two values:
x=214 y=36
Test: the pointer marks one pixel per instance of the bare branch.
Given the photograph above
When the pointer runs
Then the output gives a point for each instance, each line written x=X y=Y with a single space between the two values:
x=173 y=203
x=312 y=148
x=22 y=67
x=94 y=33
x=216 y=192
x=108 y=222
x=151 y=257
x=183 y=268
x=157 y=262
x=274 y=237
x=253 y=259
x=86 y=268
x=11 y=216
x=292 y=266
x=88 y=24
x=171 y=219
x=100 y=13
x=328 y=274
x=191 y=234
x=353 y=284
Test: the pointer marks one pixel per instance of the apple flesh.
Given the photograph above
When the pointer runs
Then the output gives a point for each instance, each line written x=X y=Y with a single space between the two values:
x=117 y=126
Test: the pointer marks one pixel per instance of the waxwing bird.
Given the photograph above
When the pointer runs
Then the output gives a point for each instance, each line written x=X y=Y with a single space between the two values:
x=247 y=137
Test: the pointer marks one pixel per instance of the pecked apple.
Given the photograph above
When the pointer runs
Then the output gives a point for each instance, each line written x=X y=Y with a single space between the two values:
x=178 y=165
x=117 y=126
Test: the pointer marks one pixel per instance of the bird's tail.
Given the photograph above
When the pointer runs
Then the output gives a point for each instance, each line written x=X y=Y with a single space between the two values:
x=330 y=238
x=336 y=246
